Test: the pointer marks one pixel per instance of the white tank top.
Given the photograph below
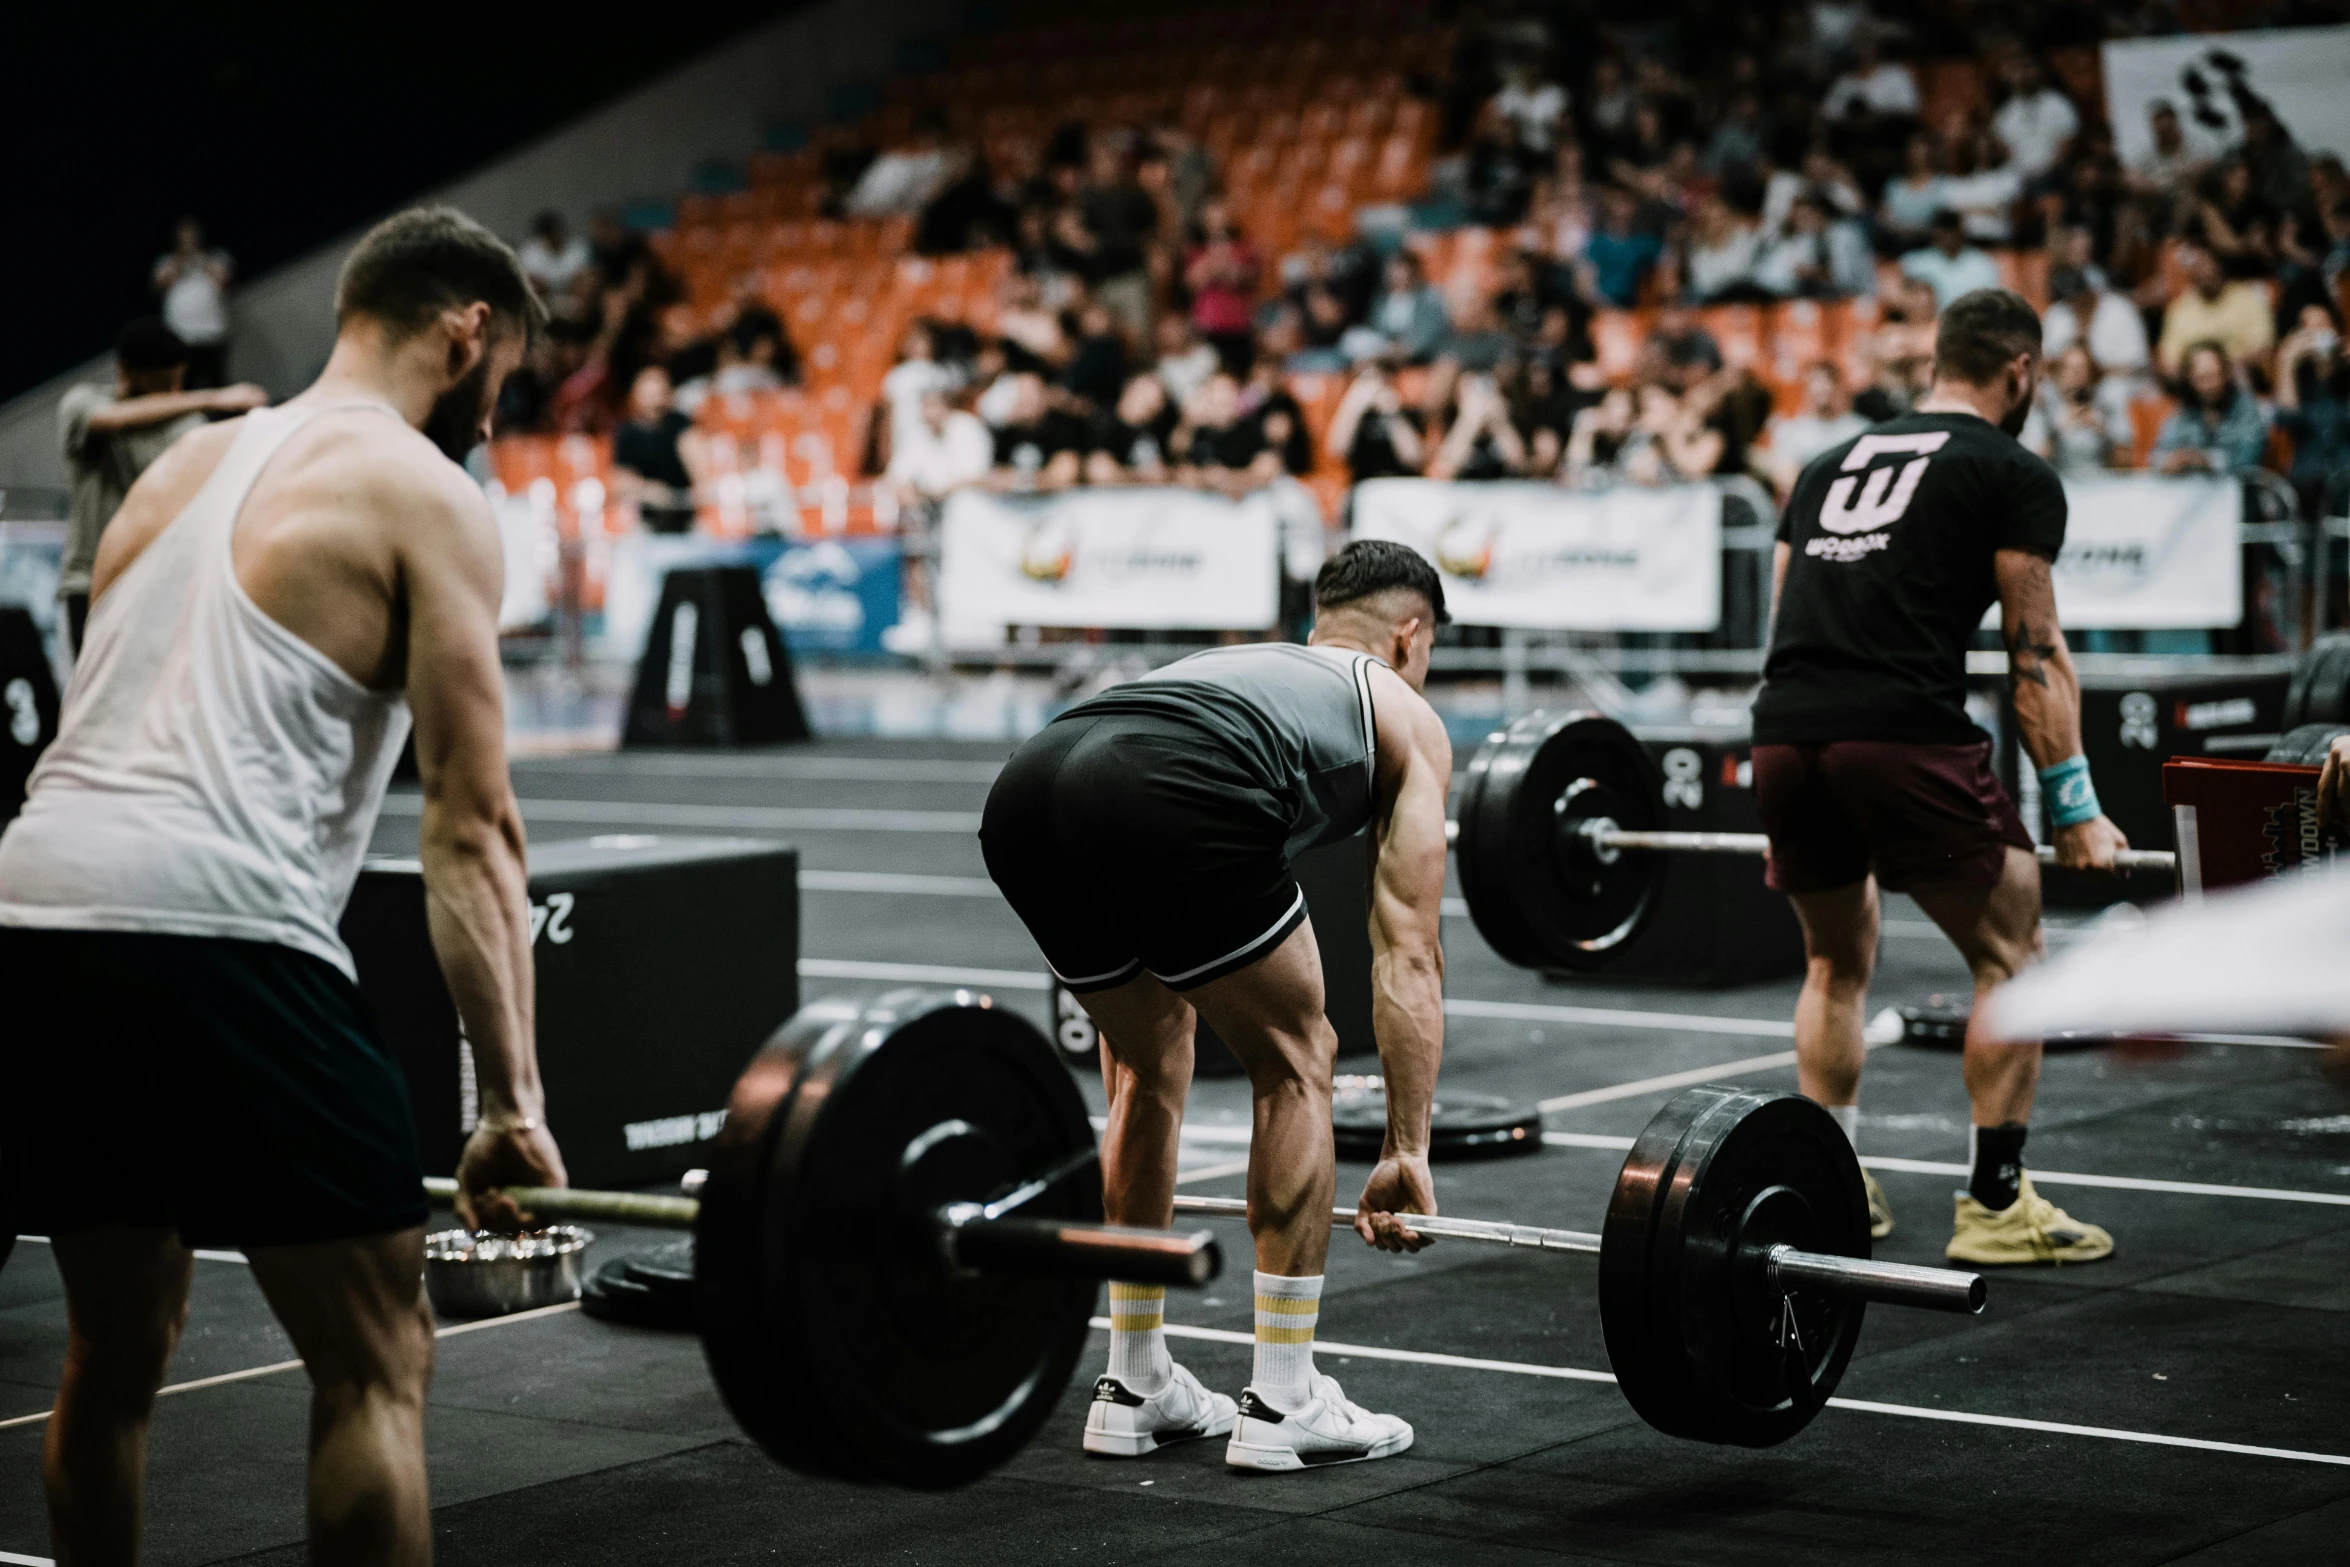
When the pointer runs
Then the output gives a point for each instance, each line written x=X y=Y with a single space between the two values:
x=213 y=774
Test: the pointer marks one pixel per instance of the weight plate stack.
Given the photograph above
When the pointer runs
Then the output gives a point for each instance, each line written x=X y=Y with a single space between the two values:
x=2306 y=745
x=834 y=1330
x=2320 y=690
x=1702 y=1345
x=1538 y=894
x=1462 y=1126
x=653 y=1289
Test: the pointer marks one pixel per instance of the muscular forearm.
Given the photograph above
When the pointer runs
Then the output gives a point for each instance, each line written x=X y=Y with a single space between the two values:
x=1407 y=1016
x=477 y=904
x=2047 y=698
x=132 y=413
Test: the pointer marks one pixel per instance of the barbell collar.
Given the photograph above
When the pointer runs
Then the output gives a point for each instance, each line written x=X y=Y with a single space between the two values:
x=1486 y=1232
x=1055 y=1248
x=1890 y=1283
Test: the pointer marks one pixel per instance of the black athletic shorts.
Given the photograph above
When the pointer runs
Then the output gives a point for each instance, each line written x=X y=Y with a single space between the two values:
x=1923 y=818
x=236 y=1091
x=1129 y=843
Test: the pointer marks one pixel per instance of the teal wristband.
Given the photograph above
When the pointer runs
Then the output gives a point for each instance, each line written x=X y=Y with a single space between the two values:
x=2070 y=796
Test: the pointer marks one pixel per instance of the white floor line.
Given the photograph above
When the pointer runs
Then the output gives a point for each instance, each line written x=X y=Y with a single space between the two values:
x=1856 y=1405
x=1621 y=1017
x=11 y=1558
x=1651 y=1085
x=2040 y=1177
x=250 y=1372
x=923 y=974
x=815 y=769
x=1213 y=1172
x=749 y=818
x=891 y=881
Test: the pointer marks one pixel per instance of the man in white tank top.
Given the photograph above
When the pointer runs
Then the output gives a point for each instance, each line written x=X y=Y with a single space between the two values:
x=189 y=1061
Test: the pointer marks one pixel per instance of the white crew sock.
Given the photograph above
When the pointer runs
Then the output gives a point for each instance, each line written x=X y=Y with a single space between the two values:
x=1138 y=1337
x=1848 y=1117
x=1287 y=1310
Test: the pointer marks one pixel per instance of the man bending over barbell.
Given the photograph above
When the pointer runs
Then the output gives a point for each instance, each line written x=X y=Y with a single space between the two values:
x=1867 y=769
x=1146 y=838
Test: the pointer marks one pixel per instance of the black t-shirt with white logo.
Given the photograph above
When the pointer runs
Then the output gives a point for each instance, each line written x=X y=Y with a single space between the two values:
x=1889 y=572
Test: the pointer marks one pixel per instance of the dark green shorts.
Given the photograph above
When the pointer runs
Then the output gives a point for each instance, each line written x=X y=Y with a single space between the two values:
x=236 y=1091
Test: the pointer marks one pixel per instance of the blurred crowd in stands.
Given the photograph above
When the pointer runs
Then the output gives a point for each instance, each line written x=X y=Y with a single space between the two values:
x=1615 y=213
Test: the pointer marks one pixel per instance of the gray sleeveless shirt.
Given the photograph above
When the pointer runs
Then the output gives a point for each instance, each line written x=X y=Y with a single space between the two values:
x=1298 y=718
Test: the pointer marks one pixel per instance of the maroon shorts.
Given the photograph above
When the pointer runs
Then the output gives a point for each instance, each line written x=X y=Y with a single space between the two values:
x=1922 y=817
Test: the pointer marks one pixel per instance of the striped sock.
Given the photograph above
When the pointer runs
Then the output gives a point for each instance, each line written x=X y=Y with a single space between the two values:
x=1287 y=1310
x=1138 y=1337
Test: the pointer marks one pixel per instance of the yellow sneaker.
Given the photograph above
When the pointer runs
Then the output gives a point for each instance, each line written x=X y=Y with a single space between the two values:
x=1880 y=1211
x=2032 y=1229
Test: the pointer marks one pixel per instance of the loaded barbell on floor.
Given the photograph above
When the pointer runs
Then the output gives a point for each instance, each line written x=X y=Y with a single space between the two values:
x=894 y=1268
x=1561 y=845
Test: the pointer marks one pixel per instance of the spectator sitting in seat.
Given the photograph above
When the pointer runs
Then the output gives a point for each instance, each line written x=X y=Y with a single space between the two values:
x=2170 y=167
x=2084 y=311
x=1478 y=343
x=2279 y=169
x=1905 y=214
x=1097 y=368
x=1184 y=363
x=1409 y=315
x=1222 y=271
x=1600 y=435
x=1882 y=87
x=2313 y=406
x=1680 y=351
x=192 y=281
x=1031 y=333
x=1950 y=266
x=2218 y=427
x=2212 y=309
x=1723 y=245
x=654 y=455
x=1039 y=445
x=2037 y=122
x=1281 y=422
x=2231 y=219
x=1814 y=257
x=1479 y=442
x=1619 y=255
x=2081 y=420
x=904 y=180
x=1372 y=431
x=1901 y=353
x=1123 y=219
x=943 y=449
x=1128 y=444
x=746 y=364
x=1543 y=405
x=1218 y=446
x=1824 y=419
x=553 y=257
x=1670 y=441
x=916 y=374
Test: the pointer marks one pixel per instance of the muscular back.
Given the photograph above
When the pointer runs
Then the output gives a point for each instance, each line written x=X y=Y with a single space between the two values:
x=340 y=529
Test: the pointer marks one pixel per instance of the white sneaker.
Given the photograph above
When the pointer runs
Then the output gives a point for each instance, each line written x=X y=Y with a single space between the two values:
x=1328 y=1429
x=1125 y=1424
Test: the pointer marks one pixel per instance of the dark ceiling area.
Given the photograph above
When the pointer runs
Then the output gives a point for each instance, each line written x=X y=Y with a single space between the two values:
x=280 y=129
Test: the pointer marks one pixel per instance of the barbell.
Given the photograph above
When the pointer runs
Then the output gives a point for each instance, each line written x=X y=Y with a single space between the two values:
x=1561 y=845
x=895 y=1260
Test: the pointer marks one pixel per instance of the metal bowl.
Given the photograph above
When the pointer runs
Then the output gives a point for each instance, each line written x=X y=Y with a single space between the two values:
x=476 y=1274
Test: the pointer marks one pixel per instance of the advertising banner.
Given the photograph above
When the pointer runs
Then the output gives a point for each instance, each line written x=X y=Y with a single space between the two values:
x=1139 y=559
x=2299 y=72
x=2150 y=554
x=1545 y=558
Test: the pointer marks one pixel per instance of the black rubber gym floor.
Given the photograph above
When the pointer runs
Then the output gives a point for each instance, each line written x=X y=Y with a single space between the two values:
x=2184 y=1401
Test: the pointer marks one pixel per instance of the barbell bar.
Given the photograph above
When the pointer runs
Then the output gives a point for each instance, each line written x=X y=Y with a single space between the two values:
x=1605 y=839
x=1888 y=1283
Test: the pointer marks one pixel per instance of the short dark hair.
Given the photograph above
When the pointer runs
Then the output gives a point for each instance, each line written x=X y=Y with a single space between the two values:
x=416 y=264
x=1981 y=331
x=145 y=344
x=1369 y=567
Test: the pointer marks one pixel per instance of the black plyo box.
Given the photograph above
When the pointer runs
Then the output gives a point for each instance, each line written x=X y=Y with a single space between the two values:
x=663 y=964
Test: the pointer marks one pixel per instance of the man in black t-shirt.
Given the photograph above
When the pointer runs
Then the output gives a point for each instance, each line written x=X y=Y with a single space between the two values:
x=1868 y=771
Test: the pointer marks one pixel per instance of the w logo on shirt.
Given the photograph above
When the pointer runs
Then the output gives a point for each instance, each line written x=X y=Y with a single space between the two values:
x=1875 y=507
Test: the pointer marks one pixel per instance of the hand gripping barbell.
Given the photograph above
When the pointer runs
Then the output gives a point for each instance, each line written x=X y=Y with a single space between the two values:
x=895 y=1258
x=1561 y=846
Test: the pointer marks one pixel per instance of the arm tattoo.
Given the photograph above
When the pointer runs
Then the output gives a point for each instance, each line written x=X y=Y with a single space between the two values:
x=2027 y=659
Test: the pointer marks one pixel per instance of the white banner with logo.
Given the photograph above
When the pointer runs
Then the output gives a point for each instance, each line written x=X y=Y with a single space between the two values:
x=2150 y=554
x=2302 y=73
x=1545 y=558
x=1141 y=559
